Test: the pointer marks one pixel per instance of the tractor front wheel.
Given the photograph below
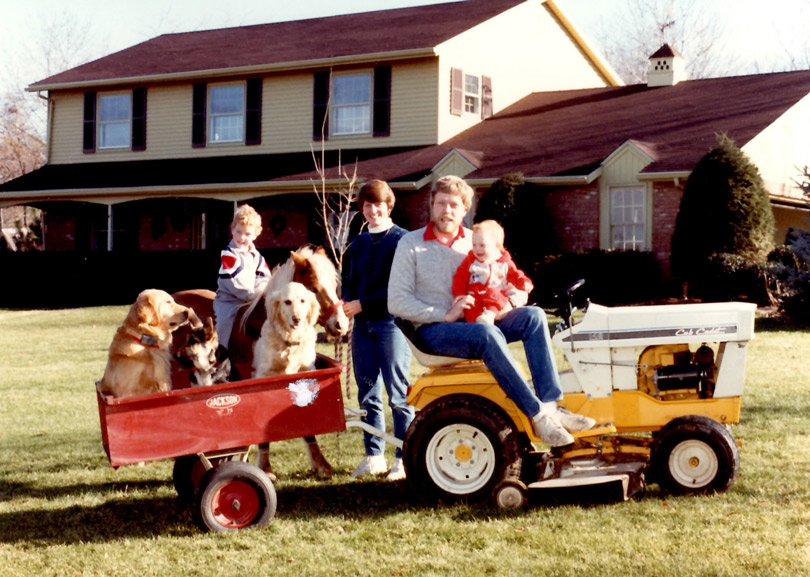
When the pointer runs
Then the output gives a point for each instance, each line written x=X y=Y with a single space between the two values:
x=694 y=455
x=460 y=447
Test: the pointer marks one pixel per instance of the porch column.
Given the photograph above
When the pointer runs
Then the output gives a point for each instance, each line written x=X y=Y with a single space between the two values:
x=109 y=228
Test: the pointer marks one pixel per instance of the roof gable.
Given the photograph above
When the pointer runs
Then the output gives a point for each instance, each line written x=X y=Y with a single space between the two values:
x=291 y=43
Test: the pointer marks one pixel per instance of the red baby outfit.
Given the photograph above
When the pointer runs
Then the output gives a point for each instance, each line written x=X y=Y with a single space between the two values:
x=488 y=283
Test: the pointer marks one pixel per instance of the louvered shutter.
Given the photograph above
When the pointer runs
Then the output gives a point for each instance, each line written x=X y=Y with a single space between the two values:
x=89 y=124
x=486 y=97
x=320 y=108
x=382 y=101
x=139 y=119
x=253 y=114
x=198 y=116
x=456 y=91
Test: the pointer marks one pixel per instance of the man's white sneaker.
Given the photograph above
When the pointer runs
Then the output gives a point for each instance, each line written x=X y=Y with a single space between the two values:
x=397 y=472
x=572 y=422
x=371 y=465
x=549 y=429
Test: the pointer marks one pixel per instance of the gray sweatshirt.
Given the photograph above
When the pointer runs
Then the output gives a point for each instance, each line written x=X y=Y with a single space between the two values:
x=419 y=288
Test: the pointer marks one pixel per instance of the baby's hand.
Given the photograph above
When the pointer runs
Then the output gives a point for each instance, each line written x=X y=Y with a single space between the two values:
x=459 y=305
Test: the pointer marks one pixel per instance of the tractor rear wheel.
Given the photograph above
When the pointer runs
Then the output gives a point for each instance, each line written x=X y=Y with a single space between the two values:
x=694 y=455
x=460 y=447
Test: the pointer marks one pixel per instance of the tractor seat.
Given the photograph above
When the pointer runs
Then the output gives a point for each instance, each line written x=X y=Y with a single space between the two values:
x=426 y=358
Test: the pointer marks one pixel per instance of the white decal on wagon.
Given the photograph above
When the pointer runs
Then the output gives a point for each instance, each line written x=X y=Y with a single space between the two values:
x=304 y=392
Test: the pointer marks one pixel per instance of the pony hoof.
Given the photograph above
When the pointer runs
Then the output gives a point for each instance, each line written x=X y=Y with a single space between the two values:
x=326 y=472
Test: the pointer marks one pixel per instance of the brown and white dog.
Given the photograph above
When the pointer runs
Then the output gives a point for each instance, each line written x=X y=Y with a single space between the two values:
x=138 y=362
x=287 y=342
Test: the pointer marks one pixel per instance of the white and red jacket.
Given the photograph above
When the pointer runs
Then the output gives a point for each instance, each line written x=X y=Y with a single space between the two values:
x=242 y=274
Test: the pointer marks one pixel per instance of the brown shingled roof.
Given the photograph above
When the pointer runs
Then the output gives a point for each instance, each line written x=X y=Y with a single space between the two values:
x=382 y=31
x=572 y=132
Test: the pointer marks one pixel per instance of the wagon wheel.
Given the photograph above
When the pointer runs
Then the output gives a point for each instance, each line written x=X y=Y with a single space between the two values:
x=188 y=471
x=694 y=455
x=460 y=447
x=233 y=496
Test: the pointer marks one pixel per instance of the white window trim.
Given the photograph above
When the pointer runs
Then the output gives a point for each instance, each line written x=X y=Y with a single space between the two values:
x=333 y=132
x=101 y=123
x=211 y=115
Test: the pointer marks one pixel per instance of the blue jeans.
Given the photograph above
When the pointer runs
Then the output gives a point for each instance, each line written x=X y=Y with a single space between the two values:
x=381 y=356
x=489 y=343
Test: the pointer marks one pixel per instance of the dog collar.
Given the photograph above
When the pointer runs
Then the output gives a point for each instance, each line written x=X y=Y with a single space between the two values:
x=145 y=340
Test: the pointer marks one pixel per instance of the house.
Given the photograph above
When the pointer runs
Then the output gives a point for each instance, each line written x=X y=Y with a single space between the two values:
x=151 y=148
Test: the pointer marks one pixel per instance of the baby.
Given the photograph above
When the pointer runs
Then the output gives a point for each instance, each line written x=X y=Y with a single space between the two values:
x=490 y=276
x=243 y=272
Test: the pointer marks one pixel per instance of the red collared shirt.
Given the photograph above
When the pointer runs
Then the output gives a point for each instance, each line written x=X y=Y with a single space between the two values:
x=430 y=234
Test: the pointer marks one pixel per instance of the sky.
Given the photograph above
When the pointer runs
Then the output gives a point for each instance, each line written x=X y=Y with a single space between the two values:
x=761 y=33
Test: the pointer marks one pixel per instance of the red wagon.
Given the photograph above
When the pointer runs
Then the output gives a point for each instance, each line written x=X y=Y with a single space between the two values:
x=209 y=431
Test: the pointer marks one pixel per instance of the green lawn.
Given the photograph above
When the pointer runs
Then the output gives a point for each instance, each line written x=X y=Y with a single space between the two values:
x=64 y=511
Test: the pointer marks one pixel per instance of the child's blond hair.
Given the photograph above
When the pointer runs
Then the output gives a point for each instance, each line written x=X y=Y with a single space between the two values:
x=492 y=229
x=247 y=216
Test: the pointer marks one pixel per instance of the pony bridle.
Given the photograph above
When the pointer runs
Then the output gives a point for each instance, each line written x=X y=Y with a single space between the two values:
x=330 y=312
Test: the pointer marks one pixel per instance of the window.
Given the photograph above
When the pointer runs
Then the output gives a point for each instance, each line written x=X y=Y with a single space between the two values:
x=226 y=113
x=351 y=104
x=471 y=94
x=628 y=218
x=114 y=118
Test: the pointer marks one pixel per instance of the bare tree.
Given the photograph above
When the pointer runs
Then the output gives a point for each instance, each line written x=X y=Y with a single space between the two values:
x=640 y=27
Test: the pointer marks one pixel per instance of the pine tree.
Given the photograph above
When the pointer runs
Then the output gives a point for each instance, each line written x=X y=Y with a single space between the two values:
x=725 y=210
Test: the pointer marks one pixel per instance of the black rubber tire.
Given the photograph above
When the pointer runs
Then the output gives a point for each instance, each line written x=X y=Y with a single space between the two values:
x=187 y=473
x=460 y=447
x=694 y=455
x=233 y=496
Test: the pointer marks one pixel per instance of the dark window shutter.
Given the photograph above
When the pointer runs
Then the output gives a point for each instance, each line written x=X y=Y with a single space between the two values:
x=382 y=101
x=139 y=119
x=320 y=112
x=456 y=91
x=198 y=116
x=253 y=112
x=486 y=96
x=89 y=125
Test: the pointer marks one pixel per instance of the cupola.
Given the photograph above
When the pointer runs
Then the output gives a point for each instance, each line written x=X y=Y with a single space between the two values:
x=667 y=67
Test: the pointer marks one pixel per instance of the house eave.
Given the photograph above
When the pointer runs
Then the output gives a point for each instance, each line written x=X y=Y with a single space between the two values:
x=567 y=180
x=253 y=70
x=217 y=191
x=675 y=175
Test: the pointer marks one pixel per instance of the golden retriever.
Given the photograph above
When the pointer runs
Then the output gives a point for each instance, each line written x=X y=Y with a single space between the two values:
x=138 y=362
x=287 y=342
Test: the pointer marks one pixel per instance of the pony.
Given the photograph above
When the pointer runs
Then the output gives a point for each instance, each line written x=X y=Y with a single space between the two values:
x=312 y=268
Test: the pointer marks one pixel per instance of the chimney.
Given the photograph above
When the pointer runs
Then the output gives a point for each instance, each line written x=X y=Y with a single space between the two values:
x=666 y=67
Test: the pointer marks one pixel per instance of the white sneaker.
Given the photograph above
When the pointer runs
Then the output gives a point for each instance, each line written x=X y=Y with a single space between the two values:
x=572 y=422
x=549 y=429
x=371 y=465
x=397 y=472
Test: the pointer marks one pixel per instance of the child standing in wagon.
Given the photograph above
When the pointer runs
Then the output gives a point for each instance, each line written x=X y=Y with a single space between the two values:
x=243 y=272
x=490 y=276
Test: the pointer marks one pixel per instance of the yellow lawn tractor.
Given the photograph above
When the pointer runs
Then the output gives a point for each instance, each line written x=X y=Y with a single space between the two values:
x=664 y=384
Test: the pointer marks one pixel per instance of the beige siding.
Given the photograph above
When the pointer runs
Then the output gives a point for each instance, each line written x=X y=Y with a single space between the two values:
x=523 y=50
x=286 y=119
x=782 y=150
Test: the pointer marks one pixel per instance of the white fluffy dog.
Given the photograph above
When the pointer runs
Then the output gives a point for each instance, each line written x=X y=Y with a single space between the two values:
x=287 y=343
